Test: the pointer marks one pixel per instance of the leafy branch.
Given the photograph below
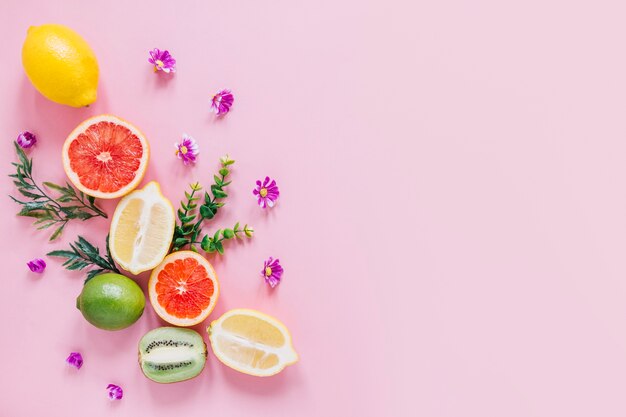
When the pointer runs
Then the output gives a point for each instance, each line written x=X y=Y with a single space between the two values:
x=40 y=205
x=192 y=216
x=85 y=255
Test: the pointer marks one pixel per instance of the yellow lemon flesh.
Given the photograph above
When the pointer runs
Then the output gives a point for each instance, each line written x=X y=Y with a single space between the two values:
x=61 y=65
x=252 y=342
x=142 y=229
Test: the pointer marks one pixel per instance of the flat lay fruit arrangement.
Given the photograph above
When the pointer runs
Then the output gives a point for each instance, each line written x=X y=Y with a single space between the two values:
x=106 y=157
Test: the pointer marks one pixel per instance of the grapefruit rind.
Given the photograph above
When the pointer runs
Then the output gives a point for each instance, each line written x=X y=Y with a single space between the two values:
x=177 y=321
x=286 y=353
x=150 y=195
x=83 y=127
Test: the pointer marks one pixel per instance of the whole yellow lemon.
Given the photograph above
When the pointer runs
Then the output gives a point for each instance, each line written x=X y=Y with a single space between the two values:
x=61 y=65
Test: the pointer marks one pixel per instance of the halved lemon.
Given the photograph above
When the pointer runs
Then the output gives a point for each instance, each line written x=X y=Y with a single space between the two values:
x=183 y=289
x=142 y=229
x=105 y=156
x=252 y=342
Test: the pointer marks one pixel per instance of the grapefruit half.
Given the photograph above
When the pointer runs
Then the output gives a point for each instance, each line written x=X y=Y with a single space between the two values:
x=183 y=289
x=105 y=156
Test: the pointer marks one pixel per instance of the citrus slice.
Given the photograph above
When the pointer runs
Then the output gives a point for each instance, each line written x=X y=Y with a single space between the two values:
x=142 y=229
x=184 y=288
x=105 y=156
x=252 y=342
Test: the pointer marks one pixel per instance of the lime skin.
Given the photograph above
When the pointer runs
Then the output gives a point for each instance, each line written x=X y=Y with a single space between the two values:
x=111 y=301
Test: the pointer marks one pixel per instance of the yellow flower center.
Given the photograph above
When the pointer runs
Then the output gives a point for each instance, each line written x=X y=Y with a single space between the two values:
x=268 y=271
x=159 y=63
x=263 y=192
x=183 y=150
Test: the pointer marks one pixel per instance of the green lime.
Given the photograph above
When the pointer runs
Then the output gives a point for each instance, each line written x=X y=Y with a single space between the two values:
x=111 y=301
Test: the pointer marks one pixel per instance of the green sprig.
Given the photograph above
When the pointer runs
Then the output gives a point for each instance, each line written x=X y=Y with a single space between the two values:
x=85 y=255
x=214 y=243
x=191 y=216
x=49 y=211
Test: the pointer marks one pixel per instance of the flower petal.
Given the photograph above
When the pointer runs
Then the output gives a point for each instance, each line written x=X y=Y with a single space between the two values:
x=75 y=359
x=115 y=392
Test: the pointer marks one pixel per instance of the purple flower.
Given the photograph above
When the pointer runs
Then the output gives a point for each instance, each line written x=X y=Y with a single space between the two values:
x=75 y=359
x=187 y=149
x=162 y=61
x=37 y=265
x=26 y=139
x=115 y=392
x=221 y=102
x=266 y=192
x=272 y=271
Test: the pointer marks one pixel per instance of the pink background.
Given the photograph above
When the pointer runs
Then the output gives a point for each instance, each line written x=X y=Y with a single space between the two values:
x=452 y=218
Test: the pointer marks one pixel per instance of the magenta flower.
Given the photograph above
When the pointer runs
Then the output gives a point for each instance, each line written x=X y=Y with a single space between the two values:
x=26 y=139
x=37 y=265
x=266 y=192
x=162 y=61
x=272 y=271
x=222 y=102
x=75 y=359
x=187 y=149
x=115 y=392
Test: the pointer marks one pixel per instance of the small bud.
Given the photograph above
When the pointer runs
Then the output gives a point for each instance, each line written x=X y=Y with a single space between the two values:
x=248 y=231
x=26 y=139
x=225 y=160
x=228 y=233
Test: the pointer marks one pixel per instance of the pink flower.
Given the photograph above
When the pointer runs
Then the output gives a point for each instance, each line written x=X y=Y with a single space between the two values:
x=37 y=265
x=267 y=193
x=187 y=150
x=115 y=392
x=272 y=271
x=162 y=61
x=75 y=359
x=222 y=102
x=26 y=139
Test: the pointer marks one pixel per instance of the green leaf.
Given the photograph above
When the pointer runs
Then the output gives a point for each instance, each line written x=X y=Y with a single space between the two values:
x=55 y=187
x=206 y=240
x=216 y=236
x=180 y=242
x=206 y=212
x=188 y=219
x=219 y=247
x=61 y=253
x=22 y=157
x=57 y=232
x=29 y=194
x=224 y=172
x=228 y=233
x=46 y=225
x=219 y=194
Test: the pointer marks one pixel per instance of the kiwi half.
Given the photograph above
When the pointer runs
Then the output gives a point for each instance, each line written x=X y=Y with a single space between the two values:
x=172 y=354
